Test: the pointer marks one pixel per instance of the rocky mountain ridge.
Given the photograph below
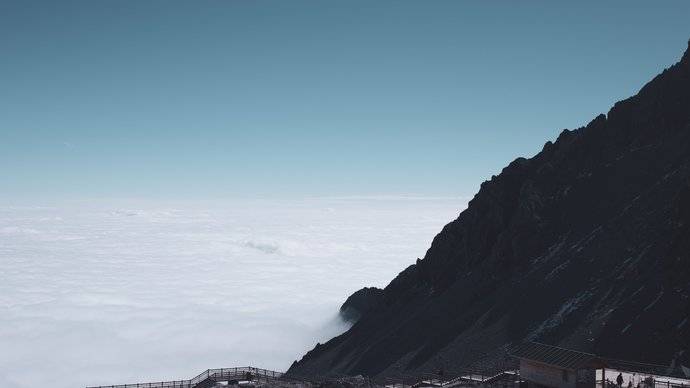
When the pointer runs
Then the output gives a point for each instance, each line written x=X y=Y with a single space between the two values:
x=585 y=245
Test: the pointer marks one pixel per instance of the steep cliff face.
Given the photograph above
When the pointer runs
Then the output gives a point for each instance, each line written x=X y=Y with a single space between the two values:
x=587 y=244
x=360 y=303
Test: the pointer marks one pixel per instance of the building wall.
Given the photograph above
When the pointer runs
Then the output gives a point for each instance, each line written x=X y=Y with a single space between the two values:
x=586 y=378
x=546 y=376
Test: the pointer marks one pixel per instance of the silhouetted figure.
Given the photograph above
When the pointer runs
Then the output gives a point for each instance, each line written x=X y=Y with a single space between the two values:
x=619 y=379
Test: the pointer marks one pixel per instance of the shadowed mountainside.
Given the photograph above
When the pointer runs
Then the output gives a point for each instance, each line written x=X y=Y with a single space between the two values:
x=360 y=303
x=585 y=245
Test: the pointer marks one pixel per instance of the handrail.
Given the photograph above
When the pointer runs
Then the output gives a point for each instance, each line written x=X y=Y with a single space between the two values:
x=217 y=373
x=448 y=379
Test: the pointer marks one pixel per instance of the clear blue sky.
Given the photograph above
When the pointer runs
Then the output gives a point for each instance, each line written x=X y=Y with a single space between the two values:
x=213 y=99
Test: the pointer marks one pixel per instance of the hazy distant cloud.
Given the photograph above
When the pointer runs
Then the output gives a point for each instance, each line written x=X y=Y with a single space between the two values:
x=263 y=247
x=400 y=197
x=17 y=230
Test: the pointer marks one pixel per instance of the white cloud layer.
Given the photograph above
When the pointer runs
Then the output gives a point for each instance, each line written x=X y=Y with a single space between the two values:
x=103 y=294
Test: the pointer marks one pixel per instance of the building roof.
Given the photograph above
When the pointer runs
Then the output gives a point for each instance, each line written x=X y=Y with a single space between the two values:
x=555 y=356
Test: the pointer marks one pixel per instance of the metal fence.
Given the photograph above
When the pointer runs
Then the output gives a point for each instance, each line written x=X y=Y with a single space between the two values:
x=448 y=379
x=455 y=379
x=219 y=374
x=660 y=382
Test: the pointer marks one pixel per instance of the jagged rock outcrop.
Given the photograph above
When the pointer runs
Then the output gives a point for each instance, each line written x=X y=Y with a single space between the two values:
x=360 y=303
x=585 y=245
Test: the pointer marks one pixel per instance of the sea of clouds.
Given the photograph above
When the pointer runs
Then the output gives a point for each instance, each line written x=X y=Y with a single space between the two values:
x=114 y=292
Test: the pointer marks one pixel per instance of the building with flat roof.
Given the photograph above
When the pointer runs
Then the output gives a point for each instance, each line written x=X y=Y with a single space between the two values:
x=544 y=365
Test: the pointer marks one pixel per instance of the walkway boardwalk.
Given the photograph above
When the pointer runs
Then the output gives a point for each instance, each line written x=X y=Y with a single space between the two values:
x=208 y=378
x=509 y=375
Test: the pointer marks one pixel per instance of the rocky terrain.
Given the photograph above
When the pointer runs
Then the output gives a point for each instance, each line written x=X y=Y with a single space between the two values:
x=360 y=303
x=585 y=245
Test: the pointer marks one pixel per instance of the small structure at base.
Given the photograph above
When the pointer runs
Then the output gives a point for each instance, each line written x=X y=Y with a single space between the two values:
x=544 y=365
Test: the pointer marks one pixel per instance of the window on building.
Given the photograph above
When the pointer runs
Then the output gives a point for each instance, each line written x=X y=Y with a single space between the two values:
x=565 y=375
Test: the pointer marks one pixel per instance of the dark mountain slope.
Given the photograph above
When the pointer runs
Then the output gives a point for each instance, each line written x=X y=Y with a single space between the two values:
x=585 y=245
x=360 y=303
